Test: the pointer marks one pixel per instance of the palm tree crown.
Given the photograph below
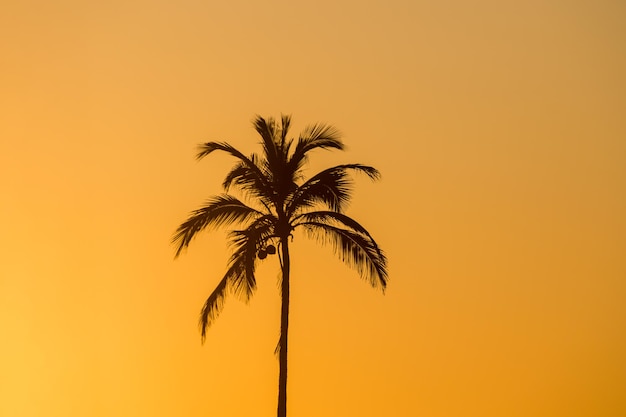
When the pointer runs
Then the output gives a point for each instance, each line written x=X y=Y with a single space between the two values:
x=281 y=200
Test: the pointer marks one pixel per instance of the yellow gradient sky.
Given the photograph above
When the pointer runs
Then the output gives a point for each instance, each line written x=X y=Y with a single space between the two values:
x=500 y=131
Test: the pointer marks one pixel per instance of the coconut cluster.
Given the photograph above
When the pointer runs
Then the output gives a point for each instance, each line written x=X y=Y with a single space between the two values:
x=268 y=250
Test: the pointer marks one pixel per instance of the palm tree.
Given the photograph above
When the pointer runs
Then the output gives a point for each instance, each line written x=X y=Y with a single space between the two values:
x=282 y=200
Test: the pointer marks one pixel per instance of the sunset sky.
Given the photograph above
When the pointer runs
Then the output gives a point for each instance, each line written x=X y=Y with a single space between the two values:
x=499 y=128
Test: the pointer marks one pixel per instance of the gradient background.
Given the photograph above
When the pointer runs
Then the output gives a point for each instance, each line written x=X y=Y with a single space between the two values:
x=498 y=126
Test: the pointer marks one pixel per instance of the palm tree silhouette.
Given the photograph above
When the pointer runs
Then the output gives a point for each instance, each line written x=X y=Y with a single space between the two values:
x=282 y=201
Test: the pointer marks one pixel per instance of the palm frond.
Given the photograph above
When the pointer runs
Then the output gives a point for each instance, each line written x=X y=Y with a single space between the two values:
x=267 y=129
x=371 y=172
x=276 y=148
x=331 y=218
x=212 y=307
x=331 y=187
x=285 y=123
x=218 y=211
x=246 y=243
x=313 y=137
x=240 y=174
x=207 y=148
x=357 y=250
x=242 y=265
x=275 y=151
x=239 y=279
x=247 y=181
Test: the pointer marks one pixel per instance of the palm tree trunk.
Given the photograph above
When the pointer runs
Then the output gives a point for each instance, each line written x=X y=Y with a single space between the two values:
x=284 y=326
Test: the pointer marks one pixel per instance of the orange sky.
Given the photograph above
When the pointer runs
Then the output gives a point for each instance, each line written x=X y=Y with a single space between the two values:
x=498 y=127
